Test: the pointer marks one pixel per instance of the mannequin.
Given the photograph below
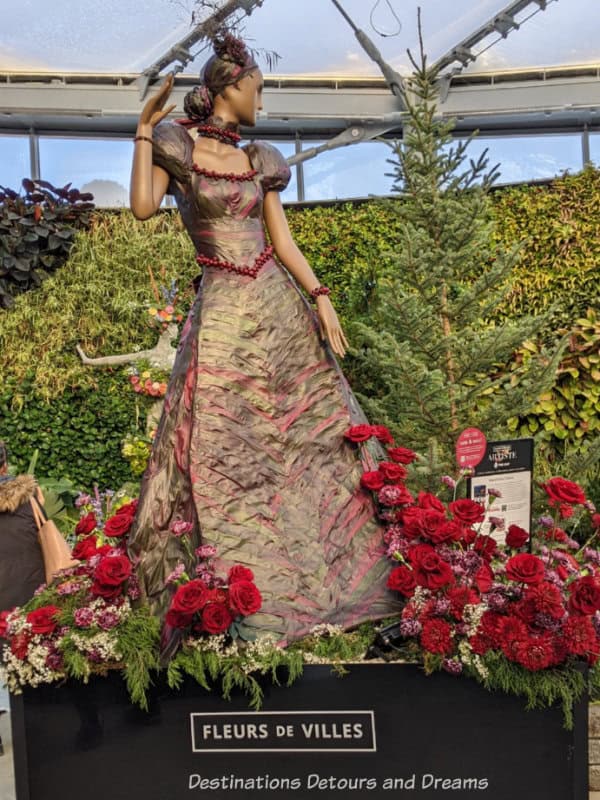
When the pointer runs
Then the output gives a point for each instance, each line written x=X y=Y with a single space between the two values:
x=250 y=448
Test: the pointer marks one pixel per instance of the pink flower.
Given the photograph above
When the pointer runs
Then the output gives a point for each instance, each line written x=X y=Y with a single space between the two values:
x=180 y=528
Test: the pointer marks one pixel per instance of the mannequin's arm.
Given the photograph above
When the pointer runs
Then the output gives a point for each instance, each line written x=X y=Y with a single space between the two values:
x=285 y=247
x=290 y=256
x=149 y=183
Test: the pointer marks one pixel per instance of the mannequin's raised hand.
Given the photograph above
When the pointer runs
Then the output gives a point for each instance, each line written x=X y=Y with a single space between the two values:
x=330 y=326
x=154 y=112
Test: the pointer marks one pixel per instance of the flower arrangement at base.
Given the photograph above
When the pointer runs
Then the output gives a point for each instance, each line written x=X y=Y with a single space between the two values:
x=498 y=612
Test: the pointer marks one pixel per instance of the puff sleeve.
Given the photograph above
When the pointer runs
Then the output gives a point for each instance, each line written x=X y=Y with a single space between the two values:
x=172 y=150
x=272 y=167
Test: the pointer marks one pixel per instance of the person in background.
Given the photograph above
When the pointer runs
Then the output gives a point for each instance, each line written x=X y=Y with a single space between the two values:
x=21 y=561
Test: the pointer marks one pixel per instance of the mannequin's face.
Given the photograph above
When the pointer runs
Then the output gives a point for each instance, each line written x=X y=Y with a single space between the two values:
x=245 y=97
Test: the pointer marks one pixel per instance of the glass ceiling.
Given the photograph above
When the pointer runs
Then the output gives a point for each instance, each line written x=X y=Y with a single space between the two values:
x=310 y=35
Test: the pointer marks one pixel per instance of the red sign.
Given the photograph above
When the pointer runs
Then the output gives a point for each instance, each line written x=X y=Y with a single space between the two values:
x=470 y=447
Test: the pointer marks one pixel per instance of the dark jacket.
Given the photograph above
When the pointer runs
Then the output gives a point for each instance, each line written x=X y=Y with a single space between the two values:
x=21 y=562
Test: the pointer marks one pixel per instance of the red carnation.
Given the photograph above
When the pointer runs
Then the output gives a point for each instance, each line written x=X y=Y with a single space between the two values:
x=430 y=570
x=516 y=537
x=382 y=433
x=113 y=570
x=4 y=624
x=394 y=495
x=560 y=490
x=579 y=636
x=244 y=598
x=118 y=525
x=190 y=597
x=585 y=595
x=85 y=548
x=547 y=599
x=459 y=597
x=467 y=511
x=216 y=618
x=513 y=632
x=436 y=636
x=86 y=524
x=595 y=521
x=428 y=500
x=401 y=455
x=359 y=433
x=42 y=620
x=239 y=573
x=491 y=627
x=391 y=471
x=401 y=579
x=373 y=481
x=19 y=645
x=535 y=653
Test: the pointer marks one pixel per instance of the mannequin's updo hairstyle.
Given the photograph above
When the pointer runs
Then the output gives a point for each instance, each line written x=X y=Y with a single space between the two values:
x=230 y=61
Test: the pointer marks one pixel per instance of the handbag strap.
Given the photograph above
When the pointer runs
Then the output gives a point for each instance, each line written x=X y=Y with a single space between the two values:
x=39 y=513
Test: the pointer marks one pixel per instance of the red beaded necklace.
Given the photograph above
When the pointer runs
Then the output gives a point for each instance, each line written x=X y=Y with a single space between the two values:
x=229 y=266
x=227 y=176
x=225 y=135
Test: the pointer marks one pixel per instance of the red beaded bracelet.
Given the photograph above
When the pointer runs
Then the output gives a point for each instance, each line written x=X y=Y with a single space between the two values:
x=319 y=290
x=142 y=139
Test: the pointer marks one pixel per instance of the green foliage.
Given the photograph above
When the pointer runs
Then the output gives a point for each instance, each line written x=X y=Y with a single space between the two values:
x=99 y=300
x=558 y=229
x=235 y=667
x=79 y=434
x=139 y=638
x=432 y=343
x=36 y=233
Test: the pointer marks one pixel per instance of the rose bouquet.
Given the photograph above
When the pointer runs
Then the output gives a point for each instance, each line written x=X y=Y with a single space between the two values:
x=473 y=604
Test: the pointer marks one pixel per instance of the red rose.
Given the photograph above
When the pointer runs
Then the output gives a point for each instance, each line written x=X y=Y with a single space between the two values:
x=467 y=511
x=484 y=577
x=485 y=546
x=244 y=598
x=190 y=597
x=373 y=481
x=113 y=570
x=392 y=472
x=86 y=524
x=105 y=591
x=516 y=537
x=85 y=548
x=560 y=490
x=3 y=624
x=118 y=525
x=402 y=455
x=431 y=571
x=177 y=619
x=239 y=573
x=402 y=579
x=436 y=636
x=359 y=433
x=449 y=531
x=428 y=500
x=525 y=568
x=129 y=509
x=42 y=620
x=216 y=618
x=19 y=645
x=468 y=535
x=585 y=596
x=382 y=433
x=431 y=522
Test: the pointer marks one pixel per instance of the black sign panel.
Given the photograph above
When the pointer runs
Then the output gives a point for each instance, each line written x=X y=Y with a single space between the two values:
x=383 y=731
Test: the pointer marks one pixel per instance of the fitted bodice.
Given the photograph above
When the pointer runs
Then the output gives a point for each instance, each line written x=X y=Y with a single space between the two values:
x=223 y=213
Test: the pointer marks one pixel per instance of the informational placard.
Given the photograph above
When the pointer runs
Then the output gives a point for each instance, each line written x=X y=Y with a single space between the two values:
x=507 y=470
x=470 y=448
x=382 y=731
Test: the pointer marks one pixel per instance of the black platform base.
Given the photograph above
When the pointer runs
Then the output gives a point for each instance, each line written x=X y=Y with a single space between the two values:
x=383 y=731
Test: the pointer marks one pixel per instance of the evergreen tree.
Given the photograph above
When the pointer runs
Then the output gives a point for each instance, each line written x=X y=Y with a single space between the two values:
x=432 y=360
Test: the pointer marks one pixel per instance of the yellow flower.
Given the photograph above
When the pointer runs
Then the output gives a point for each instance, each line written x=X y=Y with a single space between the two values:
x=153 y=312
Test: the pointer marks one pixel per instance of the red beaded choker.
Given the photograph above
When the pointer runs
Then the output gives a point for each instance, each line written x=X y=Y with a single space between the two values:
x=252 y=272
x=221 y=134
